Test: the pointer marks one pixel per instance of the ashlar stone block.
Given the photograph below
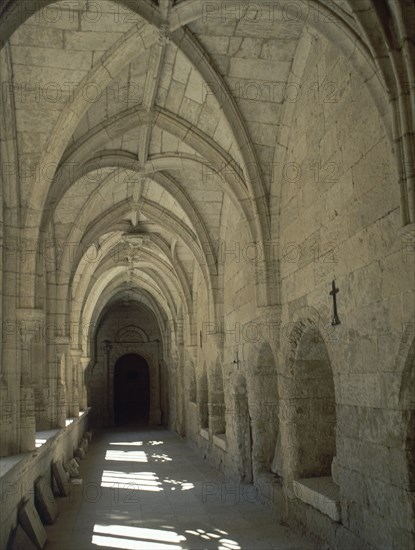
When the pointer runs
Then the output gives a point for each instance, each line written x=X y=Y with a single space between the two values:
x=45 y=501
x=60 y=477
x=21 y=540
x=30 y=521
x=321 y=493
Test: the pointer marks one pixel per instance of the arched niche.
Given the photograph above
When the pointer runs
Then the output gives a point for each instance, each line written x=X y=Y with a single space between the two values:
x=217 y=417
x=263 y=386
x=314 y=403
x=242 y=427
x=192 y=383
x=309 y=413
x=203 y=398
x=407 y=400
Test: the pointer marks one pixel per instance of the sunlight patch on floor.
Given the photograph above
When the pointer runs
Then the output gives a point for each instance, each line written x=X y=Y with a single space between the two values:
x=135 y=538
x=126 y=456
x=183 y=485
x=228 y=544
x=128 y=443
x=161 y=458
x=144 y=481
x=224 y=544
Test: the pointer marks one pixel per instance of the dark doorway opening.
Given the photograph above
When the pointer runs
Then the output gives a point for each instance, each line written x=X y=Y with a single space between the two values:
x=131 y=390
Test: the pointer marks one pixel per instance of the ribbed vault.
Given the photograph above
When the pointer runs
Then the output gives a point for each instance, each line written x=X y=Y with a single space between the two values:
x=152 y=205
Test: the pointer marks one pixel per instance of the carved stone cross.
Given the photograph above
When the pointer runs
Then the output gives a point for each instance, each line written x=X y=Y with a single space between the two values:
x=334 y=291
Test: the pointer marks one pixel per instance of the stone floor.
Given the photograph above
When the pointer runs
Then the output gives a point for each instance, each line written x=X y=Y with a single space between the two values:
x=148 y=490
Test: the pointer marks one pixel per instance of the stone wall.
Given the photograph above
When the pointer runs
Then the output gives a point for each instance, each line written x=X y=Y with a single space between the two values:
x=128 y=329
x=340 y=220
x=337 y=218
x=21 y=471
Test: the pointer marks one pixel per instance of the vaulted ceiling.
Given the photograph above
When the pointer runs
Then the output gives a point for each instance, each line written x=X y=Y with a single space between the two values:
x=139 y=126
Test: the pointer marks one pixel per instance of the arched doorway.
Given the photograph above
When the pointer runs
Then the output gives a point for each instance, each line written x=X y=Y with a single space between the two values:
x=131 y=390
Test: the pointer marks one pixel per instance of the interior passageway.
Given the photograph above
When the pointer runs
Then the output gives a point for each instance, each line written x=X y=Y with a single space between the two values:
x=148 y=490
x=224 y=189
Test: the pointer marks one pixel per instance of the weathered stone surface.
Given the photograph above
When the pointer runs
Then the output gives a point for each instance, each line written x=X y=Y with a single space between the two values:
x=80 y=453
x=61 y=477
x=72 y=467
x=45 y=501
x=30 y=521
x=321 y=493
x=21 y=540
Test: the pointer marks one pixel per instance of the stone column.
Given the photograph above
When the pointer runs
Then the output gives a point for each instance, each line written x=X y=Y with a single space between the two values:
x=241 y=426
x=10 y=351
x=216 y=413
x=8 y=444
x=75 y=398
x=83 y=395
x=191 y=352
x=6 y=420
x=180 y=381
x=174 y=388
x=216 y=401
x=62 y=346
x=155 y=410
x=27 y=396
x=109 y=413
x=31 y=322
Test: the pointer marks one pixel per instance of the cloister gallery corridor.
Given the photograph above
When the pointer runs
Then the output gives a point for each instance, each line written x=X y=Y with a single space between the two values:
x=149 y=490
x=207 y=225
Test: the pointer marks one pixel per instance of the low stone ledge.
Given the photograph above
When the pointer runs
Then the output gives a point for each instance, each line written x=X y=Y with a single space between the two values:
x=44 y=442
x=320 y=493
x=42 y=437
x=220 y=441
x=204 y=433
x=18 y=473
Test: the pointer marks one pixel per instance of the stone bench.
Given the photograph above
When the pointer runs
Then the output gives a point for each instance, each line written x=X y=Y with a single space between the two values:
x=220 y=441
x=204 y=432
x=321 y=493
